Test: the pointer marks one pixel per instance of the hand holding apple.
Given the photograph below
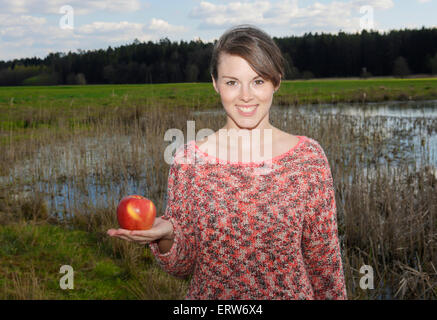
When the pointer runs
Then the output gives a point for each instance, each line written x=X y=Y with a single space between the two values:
x=137 y=218
x=161 y=230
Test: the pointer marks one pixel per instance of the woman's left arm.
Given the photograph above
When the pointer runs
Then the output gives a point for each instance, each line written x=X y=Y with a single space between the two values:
x=320 y=244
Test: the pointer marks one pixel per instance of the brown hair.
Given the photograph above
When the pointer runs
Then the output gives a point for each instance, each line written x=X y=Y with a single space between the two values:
x=253 y=45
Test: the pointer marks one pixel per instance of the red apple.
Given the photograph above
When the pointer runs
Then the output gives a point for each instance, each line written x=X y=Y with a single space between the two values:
x=136 y=213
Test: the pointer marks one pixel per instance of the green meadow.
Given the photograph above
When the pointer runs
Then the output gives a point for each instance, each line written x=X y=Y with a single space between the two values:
x=203 y=94
x=69 y=153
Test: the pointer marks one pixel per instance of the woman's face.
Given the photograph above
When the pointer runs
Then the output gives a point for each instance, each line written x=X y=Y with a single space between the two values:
x=245 y=95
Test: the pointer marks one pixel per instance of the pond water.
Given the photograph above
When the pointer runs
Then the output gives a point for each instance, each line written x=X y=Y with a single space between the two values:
x=409 y=127
x=409 y=131
x=403 y=109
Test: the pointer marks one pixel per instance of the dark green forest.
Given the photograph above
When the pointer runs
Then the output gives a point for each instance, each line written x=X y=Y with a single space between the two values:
x=369 y=53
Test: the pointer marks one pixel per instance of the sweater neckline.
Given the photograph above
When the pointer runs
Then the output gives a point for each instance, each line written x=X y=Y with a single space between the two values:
x=251 y=163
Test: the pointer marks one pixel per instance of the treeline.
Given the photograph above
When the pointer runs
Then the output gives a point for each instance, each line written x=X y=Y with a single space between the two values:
x=364 y=54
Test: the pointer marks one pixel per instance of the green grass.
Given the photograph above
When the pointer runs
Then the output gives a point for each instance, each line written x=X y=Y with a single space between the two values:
x=347 y=90
x=105 y=93
x=187 y=93
x=31 y=256
x=40 y=106
x=34 y=246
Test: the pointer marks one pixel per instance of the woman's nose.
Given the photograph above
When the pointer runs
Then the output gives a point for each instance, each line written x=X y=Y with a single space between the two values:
x=245 y=92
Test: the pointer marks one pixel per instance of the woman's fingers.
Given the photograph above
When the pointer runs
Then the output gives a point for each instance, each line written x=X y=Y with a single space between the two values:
x=141 y=236
x=111 y=232
x=118 y=233
x=124 y=238
x=159 y=230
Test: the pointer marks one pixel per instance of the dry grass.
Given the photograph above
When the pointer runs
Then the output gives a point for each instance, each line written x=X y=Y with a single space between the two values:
x=24 y=287
x=75 y=172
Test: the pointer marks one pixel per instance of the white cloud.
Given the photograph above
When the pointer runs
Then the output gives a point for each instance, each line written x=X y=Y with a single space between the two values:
x=25 y=35
x=22 y=20
x=100 y=27
x=128 y=31
x=203 y=39
x=27 y=30
x=15 y=27
x=423 y=1
x=79 y=6
x=233 y=13
x=114 y=32
x=164 y=27
x=376 y=4
x=331 y=16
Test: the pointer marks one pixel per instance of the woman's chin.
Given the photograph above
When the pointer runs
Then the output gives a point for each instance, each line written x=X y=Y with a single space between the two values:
x=246 y=124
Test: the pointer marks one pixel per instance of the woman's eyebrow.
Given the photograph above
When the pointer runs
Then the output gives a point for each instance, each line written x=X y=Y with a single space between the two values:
x=237 y=78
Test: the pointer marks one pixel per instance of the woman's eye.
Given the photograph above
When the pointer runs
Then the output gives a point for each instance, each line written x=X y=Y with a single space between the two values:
x=259 y=82
x=230 y=83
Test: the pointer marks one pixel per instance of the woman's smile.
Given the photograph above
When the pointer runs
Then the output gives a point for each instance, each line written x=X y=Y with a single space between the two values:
x=247 y=110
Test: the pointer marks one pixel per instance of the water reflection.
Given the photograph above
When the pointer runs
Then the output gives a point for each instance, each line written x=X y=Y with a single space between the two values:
x=376 y=135
x=394 y=109
x=399 y=109
x=408 y=130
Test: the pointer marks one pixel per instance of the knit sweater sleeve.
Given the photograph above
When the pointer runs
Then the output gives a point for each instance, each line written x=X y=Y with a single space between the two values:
x=320 y=244
x=180 y=260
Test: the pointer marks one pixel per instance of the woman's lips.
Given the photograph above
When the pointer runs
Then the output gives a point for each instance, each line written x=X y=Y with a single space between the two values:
x=247 y=110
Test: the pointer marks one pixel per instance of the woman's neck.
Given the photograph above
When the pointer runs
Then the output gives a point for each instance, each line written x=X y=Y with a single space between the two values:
x=246 y=141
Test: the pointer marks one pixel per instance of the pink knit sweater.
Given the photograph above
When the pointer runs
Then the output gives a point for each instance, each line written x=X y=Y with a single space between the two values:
x=246 y=232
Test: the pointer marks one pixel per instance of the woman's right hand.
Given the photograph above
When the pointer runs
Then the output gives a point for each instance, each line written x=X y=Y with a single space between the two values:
x=161 y=229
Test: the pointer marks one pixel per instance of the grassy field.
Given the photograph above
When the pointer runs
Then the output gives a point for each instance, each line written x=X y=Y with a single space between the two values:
x=203 y=94
x=85 y=146
x=32 y=254
x=33 y=106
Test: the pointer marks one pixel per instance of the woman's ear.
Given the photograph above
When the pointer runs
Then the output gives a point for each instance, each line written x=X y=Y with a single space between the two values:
x=277 y=87
x=279 y=84
x=214 y=84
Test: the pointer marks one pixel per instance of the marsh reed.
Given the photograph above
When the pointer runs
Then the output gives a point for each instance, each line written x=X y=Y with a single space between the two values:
x=72 y=168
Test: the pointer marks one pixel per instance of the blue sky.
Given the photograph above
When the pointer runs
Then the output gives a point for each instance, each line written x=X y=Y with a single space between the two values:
x=35 y=28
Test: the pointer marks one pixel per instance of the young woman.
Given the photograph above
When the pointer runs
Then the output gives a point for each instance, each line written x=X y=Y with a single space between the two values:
x=241 y=231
